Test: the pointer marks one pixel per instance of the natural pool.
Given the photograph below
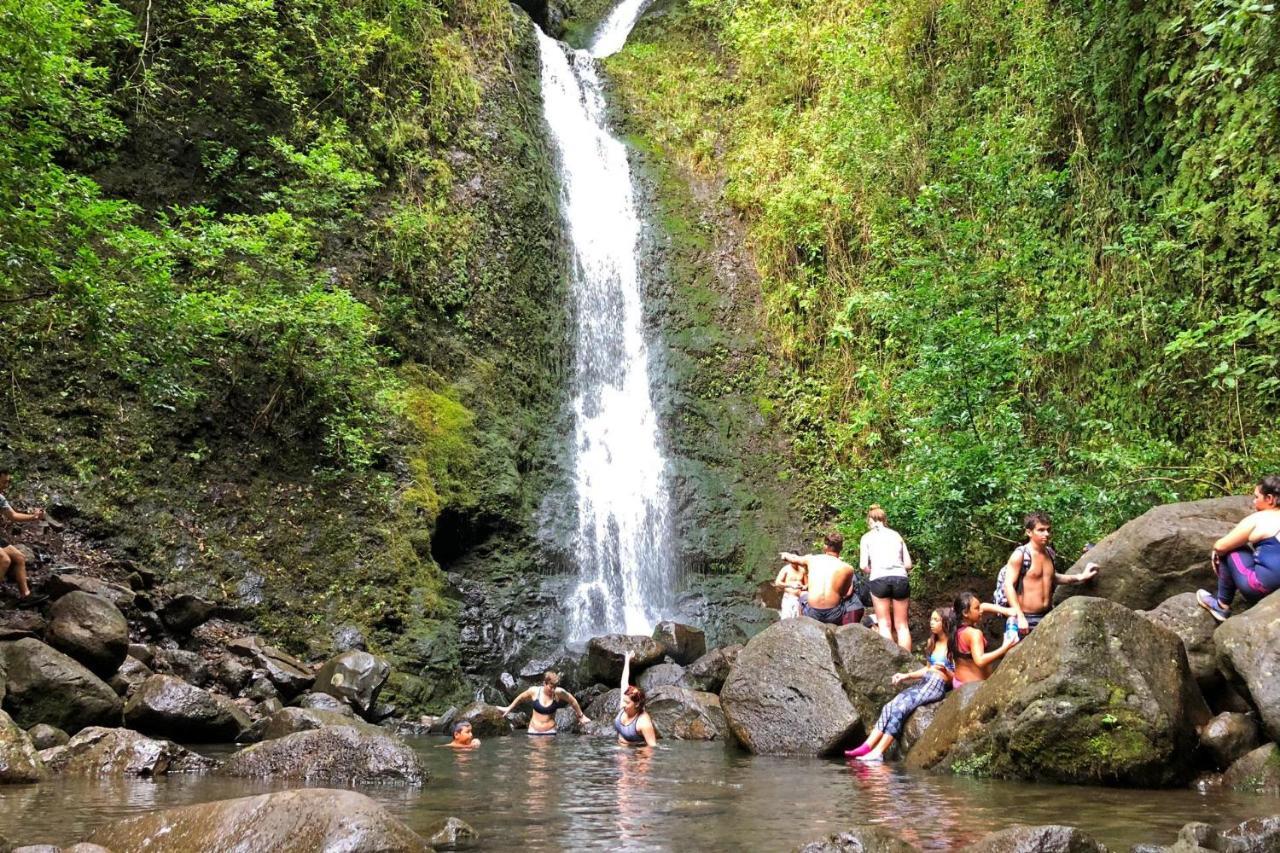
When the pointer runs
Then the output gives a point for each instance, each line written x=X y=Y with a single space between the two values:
x=580 y=793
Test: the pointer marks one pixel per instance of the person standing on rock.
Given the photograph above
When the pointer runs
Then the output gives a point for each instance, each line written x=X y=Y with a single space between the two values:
x=793 y=581
x=12 y=560
x=884 y=556
x=1247 y=560
x=547 y=698
x=831 y=596
x=633 y=723
x=1031 y=575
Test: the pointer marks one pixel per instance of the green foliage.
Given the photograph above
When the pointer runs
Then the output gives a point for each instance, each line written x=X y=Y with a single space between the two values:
x=1016 y=255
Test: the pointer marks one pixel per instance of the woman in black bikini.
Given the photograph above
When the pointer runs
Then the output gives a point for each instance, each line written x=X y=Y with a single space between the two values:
x=547 y=698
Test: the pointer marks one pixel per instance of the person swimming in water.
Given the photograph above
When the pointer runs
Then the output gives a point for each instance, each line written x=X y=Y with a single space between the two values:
x=934 y=681
x=969 y=645
x=1247 y=560
x=547 y=698
x=462 y=737
x=633 y=723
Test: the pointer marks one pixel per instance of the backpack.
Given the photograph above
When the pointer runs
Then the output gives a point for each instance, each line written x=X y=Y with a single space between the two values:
x=998 y=596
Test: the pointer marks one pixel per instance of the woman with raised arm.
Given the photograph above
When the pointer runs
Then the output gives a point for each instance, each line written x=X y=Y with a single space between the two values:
x=969 y=648
x=547 y=698
x=633 y=723
x=1247 y=560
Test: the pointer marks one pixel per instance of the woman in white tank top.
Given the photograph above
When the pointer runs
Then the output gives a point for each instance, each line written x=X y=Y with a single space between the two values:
x=884 y=556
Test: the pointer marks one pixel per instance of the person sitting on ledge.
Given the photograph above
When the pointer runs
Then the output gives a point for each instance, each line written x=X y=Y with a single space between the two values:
x=1247 y=560
x=12 y=560
x=969 y=645
x=831 y=596
x=547 y=698
x=462 y=737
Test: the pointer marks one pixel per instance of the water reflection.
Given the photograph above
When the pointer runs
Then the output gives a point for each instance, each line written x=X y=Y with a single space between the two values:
x=552 y=794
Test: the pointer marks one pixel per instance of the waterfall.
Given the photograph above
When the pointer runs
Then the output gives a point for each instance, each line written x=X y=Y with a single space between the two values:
x=626 y=575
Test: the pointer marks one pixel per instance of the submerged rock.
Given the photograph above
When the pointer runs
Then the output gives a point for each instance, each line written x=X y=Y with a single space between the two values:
x=859 y=839
x=304 y=819
x=1095 y=694
x=605 y=656
x=1037 y=839
x=164 y=705
x=682 y=643
x=19 y=759
x=452 y=833
x=98 y=751
x=684 y=714
x=354 y=677
x=334 y=754
x=46 y=686
x=91 y=630
x=1248 y=647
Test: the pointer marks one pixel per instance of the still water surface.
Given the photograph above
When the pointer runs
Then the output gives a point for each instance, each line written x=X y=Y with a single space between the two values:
x=550 y=794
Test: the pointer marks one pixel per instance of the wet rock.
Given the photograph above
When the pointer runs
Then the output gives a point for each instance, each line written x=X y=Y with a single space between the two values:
x=44 y=736
x=687 y=714
x=682 y=643
x=1194 y=626
x=785 y=695
x=860 y=839
x=452 y=834
x=98 y=751
x=867 y=662
x=602 y=710
x=355 y=677
x=926 y=716
x=290 y=675
x=129 y=677
x=304 y=819
x=260 y=688
x=349 y=638
x=1253 y=836
x=443 y=724
x=183 y=612
x=485 y=720
x=324 y=702
x=189 y=666
x=231 y=674
x=91 y=630
x=289 y=721
x=20 y=761
x=1257 y=771
x=167 y=706
x=507 y=685
x=1229 y=736
x=920 y=720
x=1163 y=552
x=605 y=656
x=142 y=652
x=1037 y=839
x=1095 y=694
x=46 y=686
x=659 y=676
x=1248 y=646
x=333 y=754
x=20 y=624
x=62 y=584
x=708 y=672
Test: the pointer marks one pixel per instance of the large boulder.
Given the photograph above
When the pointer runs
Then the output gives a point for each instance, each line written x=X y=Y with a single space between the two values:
x=924 y=717
x=682 y=643
x=45 y=686
x=288 y=721
x=166 y=706
x=785 y=693
x=605 y=656
x=1037 y=839
x=1248 y=646
x=1228 y=736
x=686 y=714
x=867 y=663
x=91 y=630
x=1095 y=694
x=98 y=751
x=290 y=675
x=355 y=677
x=304 y=819
x=1163 y=552
x=486 y=720
x=334 y=754
x=602 y=711
x=190 y=666
x=1182 y=615
x=1257 y=771
x=183 y=612
x=59 y=585
x=660 y=676
x=859 y=839
x=19 y=759
x=708 y=672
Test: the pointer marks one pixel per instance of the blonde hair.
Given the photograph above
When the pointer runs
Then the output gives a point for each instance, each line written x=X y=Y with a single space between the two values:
x=551 y=679
x=877 y=514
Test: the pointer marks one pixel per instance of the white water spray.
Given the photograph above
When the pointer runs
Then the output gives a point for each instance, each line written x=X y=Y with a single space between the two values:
x=626 y=574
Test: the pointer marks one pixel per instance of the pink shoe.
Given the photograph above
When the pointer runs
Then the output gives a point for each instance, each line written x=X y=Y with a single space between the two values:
x=857 y=753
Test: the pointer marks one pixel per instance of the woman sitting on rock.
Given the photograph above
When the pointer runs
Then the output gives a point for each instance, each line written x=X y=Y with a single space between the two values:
x=547 y=698
x=1248 y=558
x=934 y=678
x=633 y=724
x=969 y=648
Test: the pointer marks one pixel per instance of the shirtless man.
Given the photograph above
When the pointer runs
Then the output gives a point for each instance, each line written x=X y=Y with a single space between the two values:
x=830 y=596
x=1031 y=597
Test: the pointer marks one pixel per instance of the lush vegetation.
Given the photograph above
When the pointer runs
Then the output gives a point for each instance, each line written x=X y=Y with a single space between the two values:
x=1015 y=254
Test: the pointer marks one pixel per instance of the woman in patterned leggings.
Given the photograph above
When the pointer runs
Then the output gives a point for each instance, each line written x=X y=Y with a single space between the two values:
x=934 y=678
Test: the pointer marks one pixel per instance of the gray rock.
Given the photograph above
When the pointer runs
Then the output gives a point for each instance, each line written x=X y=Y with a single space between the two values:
x=231 y=673
x=485 y=720
x=289 y=721
x=452 y=834
x=443 y=724
x=46 y=686
x=20 y=624
x=1194 y=626
x=709 y=672
x=324 y=702
x=169 y=707
x=129 y=676
x=1259 y=835
x=303 y=819
x=1248 y=646
x=1229 y=736
x=20 y=761
x=260 y=688
x=687 y=714
x=1037 y=839
x=333 y=754
x=349 y=638
x=1163 y=552
x=142 y=652
x=605 y=656
x=91 y=630
x=860 y=839
x=659 y=676
x=354 y=677
x=602 y=710
x=682 y=643
x=59 y=585
x=44 y=736
x=1257 y=771
x=189 y=666
x=290 y=675
x=785 y=694
x=867 y=663
x=1095 y=694
x=183 y=612
x=98 y=751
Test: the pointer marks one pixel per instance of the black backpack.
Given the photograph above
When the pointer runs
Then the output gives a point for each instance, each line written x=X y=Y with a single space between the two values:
x=999 y=597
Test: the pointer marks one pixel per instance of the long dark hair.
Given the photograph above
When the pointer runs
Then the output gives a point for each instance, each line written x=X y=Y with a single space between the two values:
x=948 y=618
x=958 y=609
x=1269 y=486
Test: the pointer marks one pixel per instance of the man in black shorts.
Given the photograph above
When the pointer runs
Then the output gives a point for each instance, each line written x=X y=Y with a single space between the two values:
x=12 y=560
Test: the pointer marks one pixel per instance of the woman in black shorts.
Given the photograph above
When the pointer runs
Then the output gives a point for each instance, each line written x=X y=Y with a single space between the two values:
x=883 y=554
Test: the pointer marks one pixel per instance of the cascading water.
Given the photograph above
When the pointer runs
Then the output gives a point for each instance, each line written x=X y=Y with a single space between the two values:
x=626 y=574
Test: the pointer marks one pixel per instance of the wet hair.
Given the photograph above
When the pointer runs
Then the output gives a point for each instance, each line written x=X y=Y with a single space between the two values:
x=949 y=621
x=1269 y=486
x=635 y=694
x=551 y=679
x=1037 y=517
x=834 y=540
x=458 y=726
x=877 y=514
